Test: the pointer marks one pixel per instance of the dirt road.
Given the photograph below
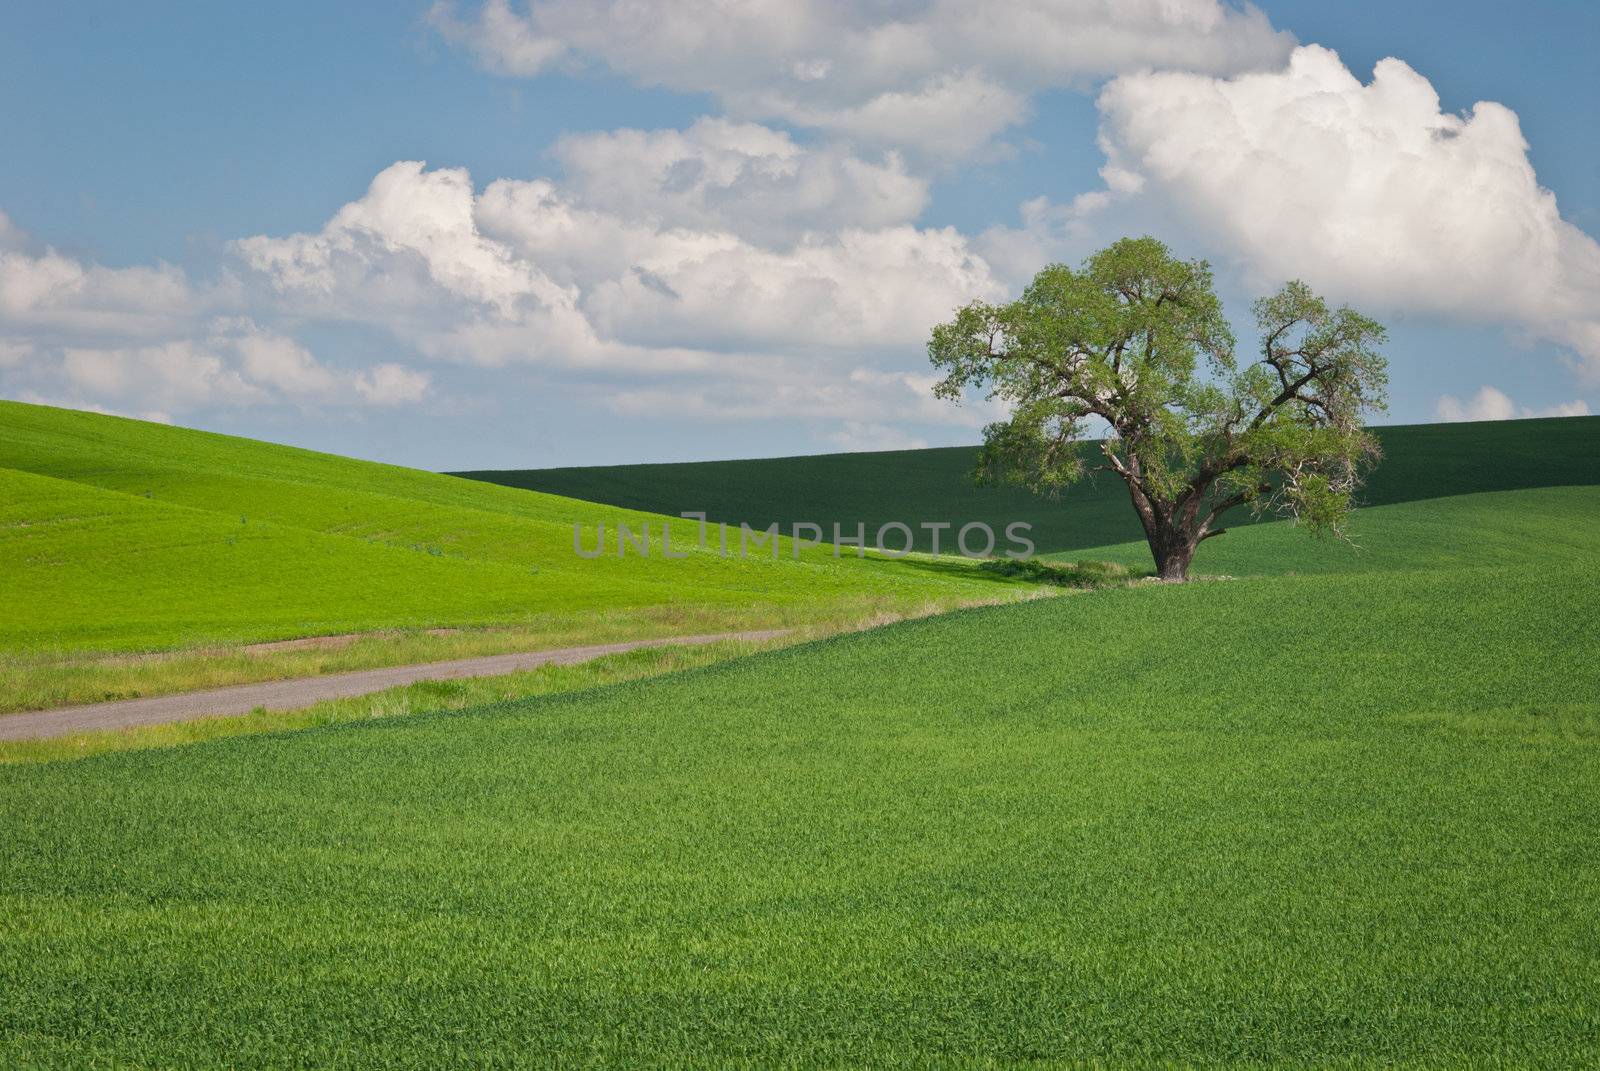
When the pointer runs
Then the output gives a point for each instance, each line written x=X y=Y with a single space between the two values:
x=304 y=691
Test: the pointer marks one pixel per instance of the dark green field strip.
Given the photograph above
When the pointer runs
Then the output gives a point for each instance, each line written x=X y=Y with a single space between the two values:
x=912 y=486
x=1294 y=821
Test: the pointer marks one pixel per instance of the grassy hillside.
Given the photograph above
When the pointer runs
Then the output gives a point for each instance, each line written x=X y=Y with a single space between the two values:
x=120 y=534
x=912 y=486
x=1314 y=820
x=138 y=558
x=1537 y=528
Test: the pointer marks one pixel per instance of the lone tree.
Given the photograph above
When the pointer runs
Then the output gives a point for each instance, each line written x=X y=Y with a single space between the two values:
x=1138 y=339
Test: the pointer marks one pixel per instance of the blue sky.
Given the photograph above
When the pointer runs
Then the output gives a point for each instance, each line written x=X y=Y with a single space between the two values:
x=175 y=176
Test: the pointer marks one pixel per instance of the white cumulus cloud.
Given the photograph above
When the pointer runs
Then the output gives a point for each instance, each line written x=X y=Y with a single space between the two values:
x=51 y=291
x=1366 y=190
x=537 y=272
x=228 y=362
x=728 y=272
x=171 y=375
x=1490 y=403
x=746 y=178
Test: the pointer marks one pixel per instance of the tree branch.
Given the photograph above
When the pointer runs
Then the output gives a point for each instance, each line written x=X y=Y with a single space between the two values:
x=1289 y=392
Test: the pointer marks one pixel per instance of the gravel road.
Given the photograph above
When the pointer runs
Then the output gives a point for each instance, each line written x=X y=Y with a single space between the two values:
x=304 y=691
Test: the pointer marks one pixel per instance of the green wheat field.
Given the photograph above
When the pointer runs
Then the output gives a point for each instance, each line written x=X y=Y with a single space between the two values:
x=1333 y=805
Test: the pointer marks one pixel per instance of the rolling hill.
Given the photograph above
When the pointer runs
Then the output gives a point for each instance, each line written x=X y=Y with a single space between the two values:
x=1422 y=461
x=1343 y=819
x=1336 y=812
x=125 y=535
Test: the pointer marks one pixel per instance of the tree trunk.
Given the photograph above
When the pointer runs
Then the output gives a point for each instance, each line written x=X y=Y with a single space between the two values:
x=1172 y=529
x=1173 y=552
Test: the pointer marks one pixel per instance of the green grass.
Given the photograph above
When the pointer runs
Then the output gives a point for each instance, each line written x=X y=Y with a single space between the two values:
x=119 y=536
x=1336 y=811
x=1335 y=820
x=1543 y=528
x=912 y=486
x=194 y=536
x=1085 y=575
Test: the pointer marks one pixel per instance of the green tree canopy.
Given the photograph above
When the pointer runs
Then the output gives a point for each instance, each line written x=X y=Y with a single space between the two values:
x=1137 y=338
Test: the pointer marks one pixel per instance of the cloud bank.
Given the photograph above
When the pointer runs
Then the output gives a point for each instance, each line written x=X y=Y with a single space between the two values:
x=773 y=261
x=939 y=78
x=643 y=275
x=147 y=341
